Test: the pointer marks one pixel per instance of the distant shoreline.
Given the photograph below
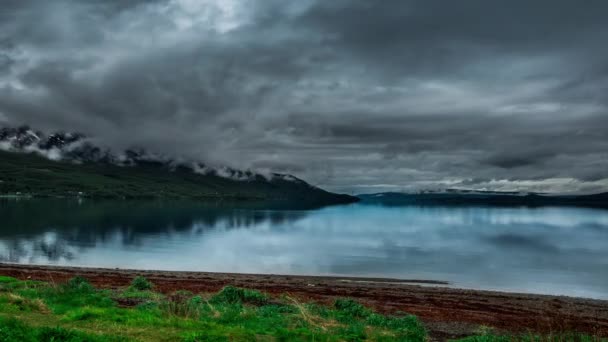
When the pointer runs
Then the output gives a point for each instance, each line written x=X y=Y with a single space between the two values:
x=16 y=196
x=531 y=200
x=447 y=312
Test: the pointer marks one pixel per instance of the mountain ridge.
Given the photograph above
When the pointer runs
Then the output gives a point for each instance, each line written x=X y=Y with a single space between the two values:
x=69 y=165
x=77 y=147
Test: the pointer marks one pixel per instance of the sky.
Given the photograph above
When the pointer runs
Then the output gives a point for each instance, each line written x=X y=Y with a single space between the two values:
x=354 y=96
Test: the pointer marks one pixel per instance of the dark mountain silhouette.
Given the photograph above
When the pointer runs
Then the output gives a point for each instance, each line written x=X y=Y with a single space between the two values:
x=69 y=164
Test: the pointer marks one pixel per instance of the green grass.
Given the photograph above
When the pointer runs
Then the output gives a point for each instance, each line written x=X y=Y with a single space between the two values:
x=76 y=311
x=5 y=279
x=13 y=330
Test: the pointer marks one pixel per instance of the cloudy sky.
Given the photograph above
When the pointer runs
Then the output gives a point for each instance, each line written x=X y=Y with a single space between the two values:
x=355 y=96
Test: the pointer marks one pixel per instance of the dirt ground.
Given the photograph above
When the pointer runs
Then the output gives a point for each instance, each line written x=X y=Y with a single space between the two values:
x=447 y=312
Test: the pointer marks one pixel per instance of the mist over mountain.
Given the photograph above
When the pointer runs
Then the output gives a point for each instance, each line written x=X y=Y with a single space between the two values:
x=64 y=164
x=78 y=148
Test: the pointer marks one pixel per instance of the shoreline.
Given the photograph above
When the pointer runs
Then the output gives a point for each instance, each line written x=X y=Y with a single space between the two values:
x=447 y=312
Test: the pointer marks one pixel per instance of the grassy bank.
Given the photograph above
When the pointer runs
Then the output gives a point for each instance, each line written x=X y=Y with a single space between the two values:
x=32 y=311
x=76 y=311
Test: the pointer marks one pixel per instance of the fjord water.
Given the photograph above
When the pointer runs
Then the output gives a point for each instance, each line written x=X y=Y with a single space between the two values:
x=555 y=250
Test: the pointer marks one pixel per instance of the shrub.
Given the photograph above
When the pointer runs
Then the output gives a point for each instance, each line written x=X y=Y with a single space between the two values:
x=352 y=308
x=79 y=284
x=184 y=307
x=235 y=295
x=141 y=284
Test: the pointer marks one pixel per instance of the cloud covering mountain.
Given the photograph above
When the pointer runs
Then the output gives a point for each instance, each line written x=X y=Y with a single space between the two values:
x=77 y=148
x=351 y=95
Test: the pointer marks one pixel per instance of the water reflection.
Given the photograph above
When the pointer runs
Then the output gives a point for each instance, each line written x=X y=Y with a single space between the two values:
x=545 y=250
x=50 y=231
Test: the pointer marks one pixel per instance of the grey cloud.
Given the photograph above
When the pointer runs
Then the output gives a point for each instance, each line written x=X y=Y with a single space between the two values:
x=352 y=95
x=5 y=63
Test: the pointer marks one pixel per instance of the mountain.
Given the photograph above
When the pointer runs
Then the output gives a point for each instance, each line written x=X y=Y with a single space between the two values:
x=485 y=198
x=69 y=164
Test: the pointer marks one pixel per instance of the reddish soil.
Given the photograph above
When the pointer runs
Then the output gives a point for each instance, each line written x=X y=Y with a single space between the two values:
x=446 y=312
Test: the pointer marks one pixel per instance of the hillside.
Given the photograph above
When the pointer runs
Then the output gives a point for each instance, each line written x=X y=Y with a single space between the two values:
x=32 y=175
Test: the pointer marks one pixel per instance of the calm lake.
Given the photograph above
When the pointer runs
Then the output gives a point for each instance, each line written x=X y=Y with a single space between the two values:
x=540 y=250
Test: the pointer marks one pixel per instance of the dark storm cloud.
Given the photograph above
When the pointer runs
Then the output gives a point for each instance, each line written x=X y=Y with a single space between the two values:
x=351 y=95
